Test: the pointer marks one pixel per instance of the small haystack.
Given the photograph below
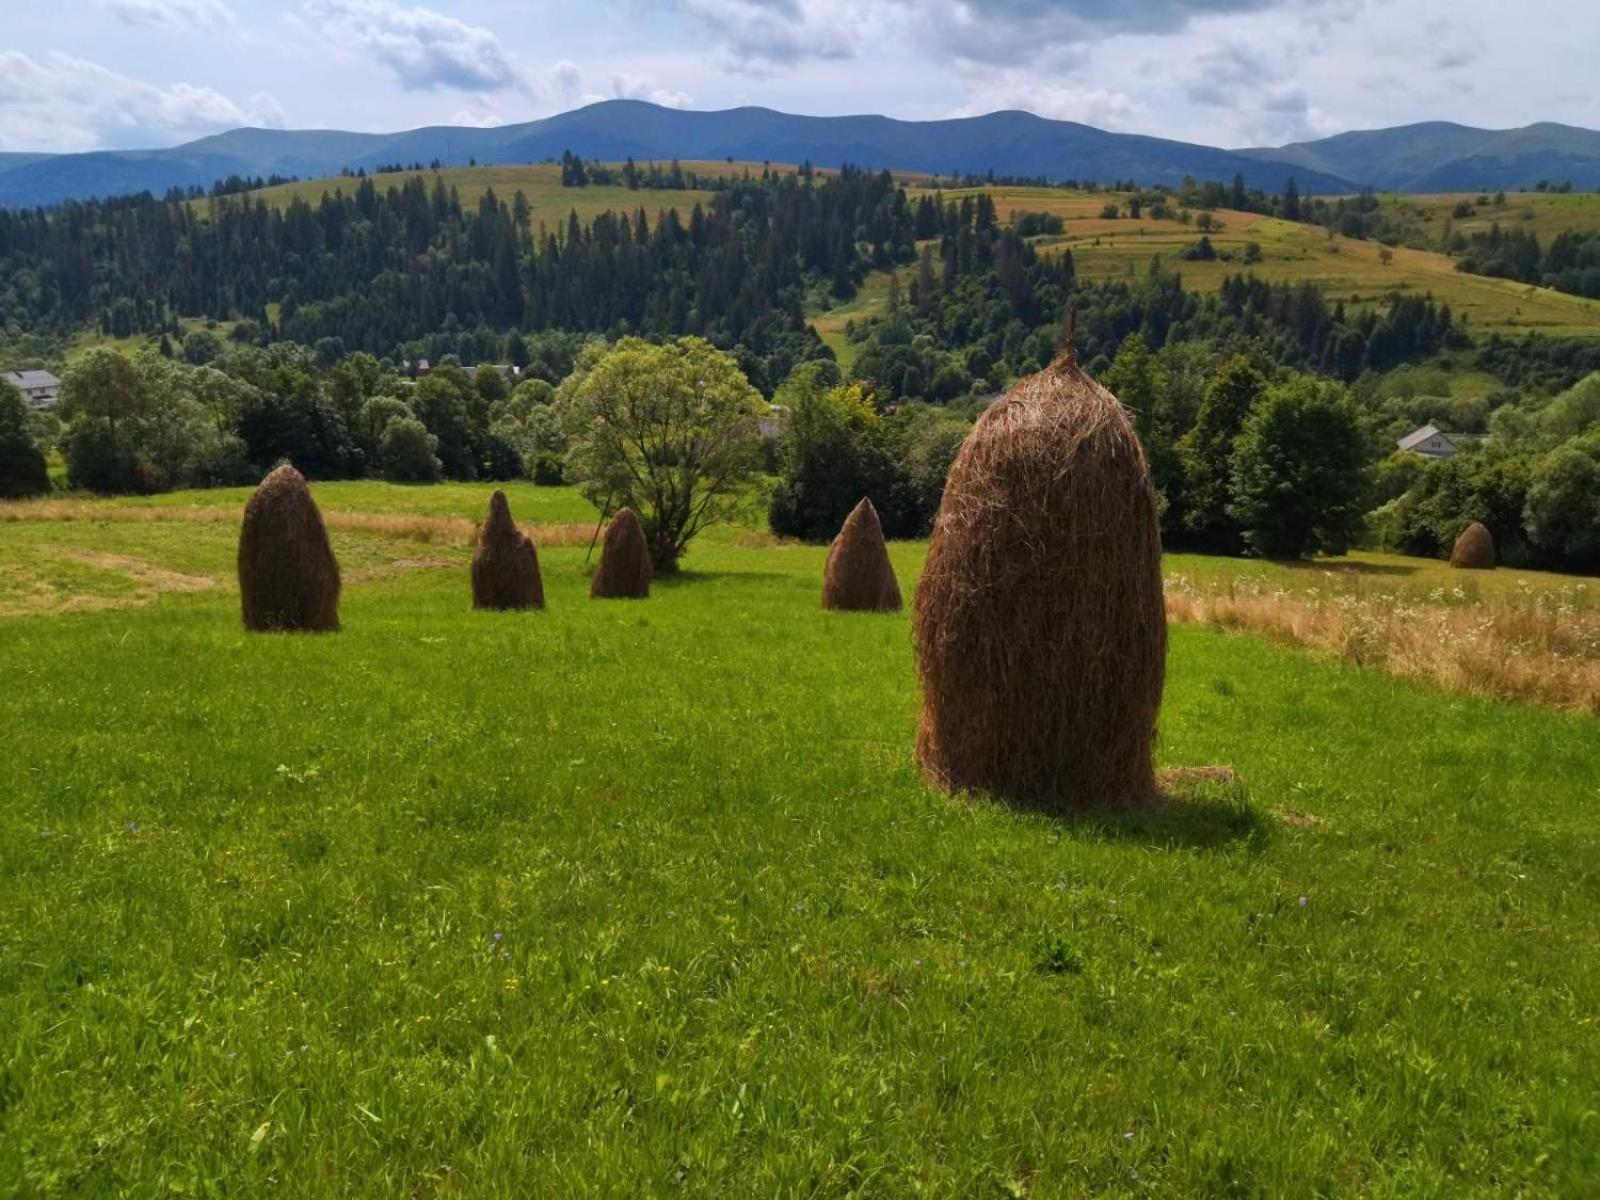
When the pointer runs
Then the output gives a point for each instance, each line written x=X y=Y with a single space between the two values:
x=288 y=577
x=1040 y=627
x=858 y=576
x=505 y=565
x=624 y=570
x=1474 y=549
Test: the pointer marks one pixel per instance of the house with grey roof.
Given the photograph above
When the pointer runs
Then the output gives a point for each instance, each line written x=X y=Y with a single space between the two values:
x=1429 y=442
x=39 y=389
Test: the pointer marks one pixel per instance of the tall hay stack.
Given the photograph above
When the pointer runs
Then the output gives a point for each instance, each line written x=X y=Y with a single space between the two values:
x=505 y=565
x=624 y=570
x=288 y=577
x=858 y=576
x=1474 y=549
x=1039 y=622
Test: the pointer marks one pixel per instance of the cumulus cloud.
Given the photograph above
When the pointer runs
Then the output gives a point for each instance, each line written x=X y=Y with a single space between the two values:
x=640 y=87
x=1104 y=108
x=426 y=50
x=171 y=14
x=59 y=102
x=767 y=33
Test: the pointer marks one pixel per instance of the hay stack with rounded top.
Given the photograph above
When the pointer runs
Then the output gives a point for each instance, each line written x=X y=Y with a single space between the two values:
x=505 y=565
x=288 y=577
x=1040 y=626
x=858 y=576
x=1474 y=549
x=624 y=570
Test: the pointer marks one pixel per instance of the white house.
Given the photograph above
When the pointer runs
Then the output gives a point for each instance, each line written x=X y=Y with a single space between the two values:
x=1429 y=442
x=39 y=388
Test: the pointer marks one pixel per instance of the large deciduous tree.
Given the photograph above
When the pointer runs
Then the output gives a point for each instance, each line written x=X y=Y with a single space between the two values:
x=1299 y=472
x=671 y=431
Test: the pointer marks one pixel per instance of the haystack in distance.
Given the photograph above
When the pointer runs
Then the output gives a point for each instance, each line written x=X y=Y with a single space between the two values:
x=858 y=576
x=1474 y=549
x=624 y=570
x=1040 y=625
x=505 y=564
x=288 y=577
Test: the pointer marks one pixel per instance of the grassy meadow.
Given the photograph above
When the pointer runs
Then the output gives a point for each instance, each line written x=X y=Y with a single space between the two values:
x=639 y=898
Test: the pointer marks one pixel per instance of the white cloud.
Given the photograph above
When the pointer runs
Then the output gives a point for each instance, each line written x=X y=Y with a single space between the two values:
x=426 y=50
x=172 y=14
x=1102 y=107
x=59 y=102
x=641 y=87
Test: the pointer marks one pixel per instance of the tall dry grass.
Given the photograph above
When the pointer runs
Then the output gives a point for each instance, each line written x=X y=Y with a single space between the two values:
x=444 y=531
x=1525 y=645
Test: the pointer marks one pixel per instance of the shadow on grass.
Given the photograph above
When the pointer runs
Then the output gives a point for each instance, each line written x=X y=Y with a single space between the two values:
x=689 y=578
x=1341 y=567
x=1192 y=817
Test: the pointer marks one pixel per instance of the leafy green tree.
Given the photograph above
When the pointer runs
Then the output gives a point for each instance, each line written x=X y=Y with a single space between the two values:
x=445 y=402
x=406 y=452
x=1206 y=453
x=23 y=471
x=1562 y=514
x=671 y=431
x=1574 y=411
x=1488 y=485
x=1299 y=472
x=833 y=451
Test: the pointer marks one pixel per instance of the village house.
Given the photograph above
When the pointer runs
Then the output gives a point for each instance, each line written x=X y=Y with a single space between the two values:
x=39 y=389
x=1429 y=442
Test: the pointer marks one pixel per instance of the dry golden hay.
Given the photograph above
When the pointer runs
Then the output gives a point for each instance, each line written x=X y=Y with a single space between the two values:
x=1474 y=549
x=624 y=570
x=505 y=565
x=1039 y=622
x=858 y=576
x=288 y=577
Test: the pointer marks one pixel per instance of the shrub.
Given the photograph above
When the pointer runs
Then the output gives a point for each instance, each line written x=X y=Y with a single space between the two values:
x=23 y=471
x=407 y=452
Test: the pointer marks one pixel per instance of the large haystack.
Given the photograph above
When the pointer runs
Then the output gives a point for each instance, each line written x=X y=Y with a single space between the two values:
x=1040 y=628
x=288 y=577
x=858 y=576
x=505 y=565
x=624 y=570
x=1474 y=549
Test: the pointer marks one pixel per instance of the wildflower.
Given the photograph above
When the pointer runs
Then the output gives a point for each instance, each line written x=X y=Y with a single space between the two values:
x=1302 y=901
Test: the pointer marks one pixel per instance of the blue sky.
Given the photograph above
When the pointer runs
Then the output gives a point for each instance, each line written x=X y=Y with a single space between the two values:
x=90 y=74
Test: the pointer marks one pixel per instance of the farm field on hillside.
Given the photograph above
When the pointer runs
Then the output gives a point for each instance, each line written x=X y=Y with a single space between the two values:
x=638 y=897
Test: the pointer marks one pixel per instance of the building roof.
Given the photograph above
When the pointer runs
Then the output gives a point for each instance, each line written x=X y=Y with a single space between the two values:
x=32 y=380
x=1417 y=436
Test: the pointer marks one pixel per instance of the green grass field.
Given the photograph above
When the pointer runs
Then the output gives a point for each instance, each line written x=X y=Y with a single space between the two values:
x=648 y=898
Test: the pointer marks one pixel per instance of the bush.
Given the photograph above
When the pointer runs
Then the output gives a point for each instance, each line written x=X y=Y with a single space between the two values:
x=1562 y=513
x=407 y=452
x=23 y=471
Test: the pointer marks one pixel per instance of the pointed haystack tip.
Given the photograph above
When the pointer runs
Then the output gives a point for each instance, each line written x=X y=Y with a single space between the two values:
x=624 y=570
x=1039 y=622
x=858 y=576
x=1474 y=549
x=288 y=577
x=505 y=565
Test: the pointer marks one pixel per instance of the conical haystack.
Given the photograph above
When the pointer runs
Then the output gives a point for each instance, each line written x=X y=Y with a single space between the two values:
x=505 y=565
x=1474 y=549
x=624 y=570
x=1040 y=627
x=858 y=576
x=288 y=577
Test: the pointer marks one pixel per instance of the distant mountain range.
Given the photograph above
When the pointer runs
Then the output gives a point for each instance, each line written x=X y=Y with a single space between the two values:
x=1439 y=156
x=1436 y=156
